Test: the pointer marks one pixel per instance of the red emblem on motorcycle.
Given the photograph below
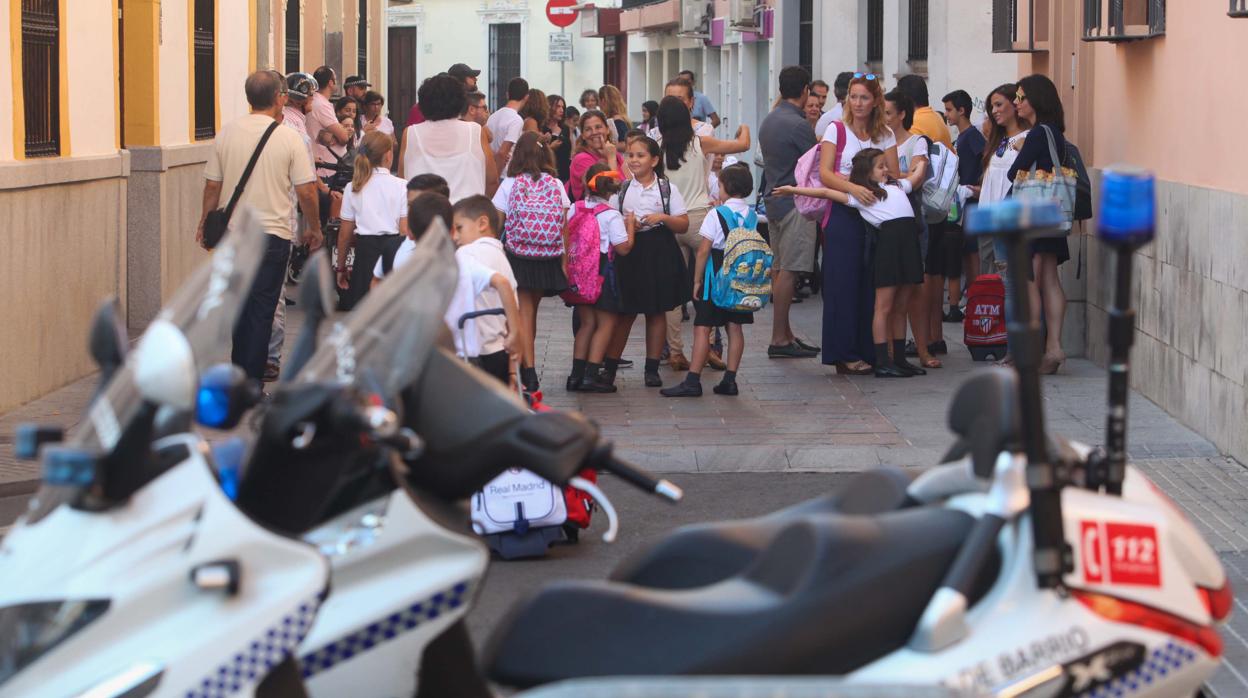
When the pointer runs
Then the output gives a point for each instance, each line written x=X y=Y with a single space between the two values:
x=1119 y=553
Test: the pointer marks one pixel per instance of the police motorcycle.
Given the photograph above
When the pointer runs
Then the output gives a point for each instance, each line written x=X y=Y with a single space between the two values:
x=1044 y=568
x=134 y=574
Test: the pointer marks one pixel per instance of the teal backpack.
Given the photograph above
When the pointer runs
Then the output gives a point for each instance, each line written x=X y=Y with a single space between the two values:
x=743 y=284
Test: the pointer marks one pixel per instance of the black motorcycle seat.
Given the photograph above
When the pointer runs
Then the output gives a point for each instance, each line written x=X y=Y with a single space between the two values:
x=828 y=595
x=701 y=554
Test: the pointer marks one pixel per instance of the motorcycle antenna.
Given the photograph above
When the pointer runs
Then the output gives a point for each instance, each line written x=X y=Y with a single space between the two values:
x=1015 y=222
x=1127 y=222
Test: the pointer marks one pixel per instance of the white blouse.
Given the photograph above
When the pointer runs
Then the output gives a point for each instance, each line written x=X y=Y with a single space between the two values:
x=996 y=178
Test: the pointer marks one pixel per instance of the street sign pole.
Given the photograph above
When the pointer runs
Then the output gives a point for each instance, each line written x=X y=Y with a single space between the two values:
x=563 y=73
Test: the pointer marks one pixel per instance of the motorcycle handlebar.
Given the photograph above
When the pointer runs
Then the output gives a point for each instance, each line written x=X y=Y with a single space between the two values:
x=640 y=478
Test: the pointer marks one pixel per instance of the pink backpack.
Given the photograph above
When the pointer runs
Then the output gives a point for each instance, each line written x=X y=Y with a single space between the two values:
x=584 y=246
x=534 y=226
x=807 y=174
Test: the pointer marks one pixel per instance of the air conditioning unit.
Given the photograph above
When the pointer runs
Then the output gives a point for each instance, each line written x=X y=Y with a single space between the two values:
x=743 y=15
x=695 y=19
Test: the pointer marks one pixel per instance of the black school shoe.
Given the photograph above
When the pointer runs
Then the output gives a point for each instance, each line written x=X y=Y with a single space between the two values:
x=910 y=368
x=805 y=345
x=726 y=388
x=594 y=384
x=573 y=385
x=891 y=371
x=954 y=315
x=653 y=380
x=682 y=389
x=940 y=347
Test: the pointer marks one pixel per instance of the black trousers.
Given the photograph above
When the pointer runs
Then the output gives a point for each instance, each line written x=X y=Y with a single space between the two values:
x=255 y=322
x=368 y=249
x=497 y=364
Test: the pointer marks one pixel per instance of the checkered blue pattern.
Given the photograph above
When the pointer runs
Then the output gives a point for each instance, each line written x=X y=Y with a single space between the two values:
x=383 y=630
x=255 y=660
x=1160 y=662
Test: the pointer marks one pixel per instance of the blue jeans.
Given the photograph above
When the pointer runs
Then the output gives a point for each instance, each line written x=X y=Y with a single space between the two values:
x=255 y=322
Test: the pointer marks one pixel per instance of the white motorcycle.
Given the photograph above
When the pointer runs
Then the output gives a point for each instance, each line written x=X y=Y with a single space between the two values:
x=1024 y=570
x=123 y=580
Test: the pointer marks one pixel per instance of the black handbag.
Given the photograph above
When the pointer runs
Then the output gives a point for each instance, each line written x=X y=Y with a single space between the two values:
x=218 y=220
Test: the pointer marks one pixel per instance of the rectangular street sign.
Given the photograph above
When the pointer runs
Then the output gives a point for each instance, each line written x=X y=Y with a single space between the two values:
x=560 y=47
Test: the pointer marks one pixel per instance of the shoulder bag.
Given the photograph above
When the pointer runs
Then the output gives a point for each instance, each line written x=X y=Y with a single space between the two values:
x=217 y=221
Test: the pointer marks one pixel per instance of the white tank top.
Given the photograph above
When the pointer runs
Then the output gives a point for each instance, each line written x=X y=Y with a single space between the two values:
x=690 y=179
x=450 y=148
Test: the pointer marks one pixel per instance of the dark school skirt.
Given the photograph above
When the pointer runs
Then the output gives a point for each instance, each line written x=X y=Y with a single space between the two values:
x=609 y=299
x=1059 y=246
x=653 y=277
x=545 y=275
x=898 y=259
x=706 y=313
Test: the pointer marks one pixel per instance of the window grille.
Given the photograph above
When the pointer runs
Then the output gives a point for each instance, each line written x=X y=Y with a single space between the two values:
x=205 y=70
x=292 y=36
x=504 y=60
x=361 y=40
x=918 y=31
x=1123 y=20
x=41 y=77
x=875 y=31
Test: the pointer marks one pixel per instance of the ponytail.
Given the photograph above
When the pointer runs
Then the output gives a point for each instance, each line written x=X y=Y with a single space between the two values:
x=370 y=153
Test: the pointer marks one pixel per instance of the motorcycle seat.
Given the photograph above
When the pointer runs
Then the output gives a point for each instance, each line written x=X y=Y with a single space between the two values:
x=705 y=553
x=829 y=594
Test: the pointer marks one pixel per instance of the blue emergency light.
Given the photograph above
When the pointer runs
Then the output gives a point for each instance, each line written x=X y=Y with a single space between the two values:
x=1128 y=207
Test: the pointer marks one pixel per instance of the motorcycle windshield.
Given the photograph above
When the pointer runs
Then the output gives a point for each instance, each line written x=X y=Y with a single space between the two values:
x=205 y=309
x=383 y=344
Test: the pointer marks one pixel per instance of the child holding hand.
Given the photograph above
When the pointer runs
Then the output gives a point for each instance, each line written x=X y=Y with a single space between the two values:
x=898 y=263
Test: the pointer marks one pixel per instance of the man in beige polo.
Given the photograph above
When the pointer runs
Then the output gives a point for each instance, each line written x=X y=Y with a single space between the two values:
x=283 y=164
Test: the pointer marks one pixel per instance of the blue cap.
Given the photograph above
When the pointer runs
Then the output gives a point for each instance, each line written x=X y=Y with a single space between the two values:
x=1012 y=215
x=1128 y=206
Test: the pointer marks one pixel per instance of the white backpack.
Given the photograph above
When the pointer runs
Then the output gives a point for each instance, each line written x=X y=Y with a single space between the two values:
x=518 y=500
x=940 y=189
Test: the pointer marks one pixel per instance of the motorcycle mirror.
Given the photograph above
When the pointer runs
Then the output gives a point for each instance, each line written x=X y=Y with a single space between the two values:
x=317 y=298
x=107 y=341
x=224 y=396
x=984 y=416
x=164 y=366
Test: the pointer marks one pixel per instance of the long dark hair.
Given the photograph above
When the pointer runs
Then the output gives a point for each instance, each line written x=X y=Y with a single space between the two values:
x=996 y=132
x=1042 y=95
x=676 y=126
x=652 y=147
x=860 y=171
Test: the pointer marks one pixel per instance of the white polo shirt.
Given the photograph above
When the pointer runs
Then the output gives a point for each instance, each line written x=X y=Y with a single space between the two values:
x=642 y=200
x=611 y=230
x=377 y=209
x=713 y=230
x=491 y=329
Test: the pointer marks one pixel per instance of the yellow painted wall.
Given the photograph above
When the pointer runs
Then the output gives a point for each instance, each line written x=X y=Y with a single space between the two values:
x=6 y=71
x=92 y=108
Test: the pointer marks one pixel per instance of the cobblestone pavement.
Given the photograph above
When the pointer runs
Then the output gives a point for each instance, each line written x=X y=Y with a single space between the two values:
x=797 y=416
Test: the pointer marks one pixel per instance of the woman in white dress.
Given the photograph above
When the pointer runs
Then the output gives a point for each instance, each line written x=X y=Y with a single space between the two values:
x=444 y=145
x=1006 y=133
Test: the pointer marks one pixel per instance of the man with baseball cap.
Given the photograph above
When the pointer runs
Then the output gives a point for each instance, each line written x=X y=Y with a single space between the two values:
x=356 y=86
x=460 y=72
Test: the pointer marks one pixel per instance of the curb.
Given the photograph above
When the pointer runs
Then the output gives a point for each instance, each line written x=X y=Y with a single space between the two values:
x=18 y=488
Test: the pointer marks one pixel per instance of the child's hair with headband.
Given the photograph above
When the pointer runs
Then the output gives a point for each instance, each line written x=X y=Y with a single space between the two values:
x=602 y=181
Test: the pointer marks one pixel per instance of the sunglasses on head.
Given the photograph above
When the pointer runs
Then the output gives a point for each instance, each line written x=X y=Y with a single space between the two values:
x=1019 y=97
x=860 y=76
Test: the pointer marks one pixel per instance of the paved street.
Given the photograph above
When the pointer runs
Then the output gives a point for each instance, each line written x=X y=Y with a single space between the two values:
x=794 y=432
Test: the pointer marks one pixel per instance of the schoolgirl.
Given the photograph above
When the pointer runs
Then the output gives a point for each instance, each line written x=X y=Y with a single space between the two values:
x=534 y=205
x=374 y=217
x=597 y=321
x=653 y=277
x=898 y=266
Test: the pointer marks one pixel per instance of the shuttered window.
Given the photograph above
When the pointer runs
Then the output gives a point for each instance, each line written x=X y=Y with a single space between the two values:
x=917 y=50
x=41 y=77
x=806 y=35
x=875 y=31
x=205 y=73
x=361 y=40
x=292 y=36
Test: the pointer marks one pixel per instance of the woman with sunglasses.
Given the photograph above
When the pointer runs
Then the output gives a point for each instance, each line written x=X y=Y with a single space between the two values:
x=1037 y=101
x=849 y=290
x=1006 y=134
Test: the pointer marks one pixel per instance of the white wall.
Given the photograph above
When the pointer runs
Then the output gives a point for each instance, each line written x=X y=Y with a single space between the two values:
x=175 y=76
x=971 y=66
x=233 y=54
x=92 y=109
x=458 y=31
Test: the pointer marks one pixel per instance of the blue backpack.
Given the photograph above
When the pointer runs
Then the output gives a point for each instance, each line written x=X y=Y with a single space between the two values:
x=743 y=284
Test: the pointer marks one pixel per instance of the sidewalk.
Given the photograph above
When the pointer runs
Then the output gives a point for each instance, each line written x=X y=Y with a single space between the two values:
x=798 y=416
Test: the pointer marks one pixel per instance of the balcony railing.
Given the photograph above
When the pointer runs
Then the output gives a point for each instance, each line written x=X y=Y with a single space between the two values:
x=1239 y=8
x=1020 y=26
x=1123 y=20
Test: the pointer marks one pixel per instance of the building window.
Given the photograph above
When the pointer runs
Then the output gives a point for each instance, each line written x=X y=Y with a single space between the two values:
x=292 y=36
x=205 y=70
x=1020 y=26
x=805 y=35
x=1239 y=8
x=504 y=60
x=1123 y=20
x=361 y=39
x=918 y=31
x=41 y=77
x=875 y=32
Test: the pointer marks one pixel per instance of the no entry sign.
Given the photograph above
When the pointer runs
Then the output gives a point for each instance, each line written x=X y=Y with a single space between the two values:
x=561 y=13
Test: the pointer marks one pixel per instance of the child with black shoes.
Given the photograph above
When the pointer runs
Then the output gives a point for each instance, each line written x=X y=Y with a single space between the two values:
x=737 y=183
x=898 y=261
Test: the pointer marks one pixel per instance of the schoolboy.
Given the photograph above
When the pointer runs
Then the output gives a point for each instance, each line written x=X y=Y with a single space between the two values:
x=475 y=231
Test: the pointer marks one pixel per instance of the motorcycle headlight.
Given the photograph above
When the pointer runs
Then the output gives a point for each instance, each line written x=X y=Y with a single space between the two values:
x=28 y=631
